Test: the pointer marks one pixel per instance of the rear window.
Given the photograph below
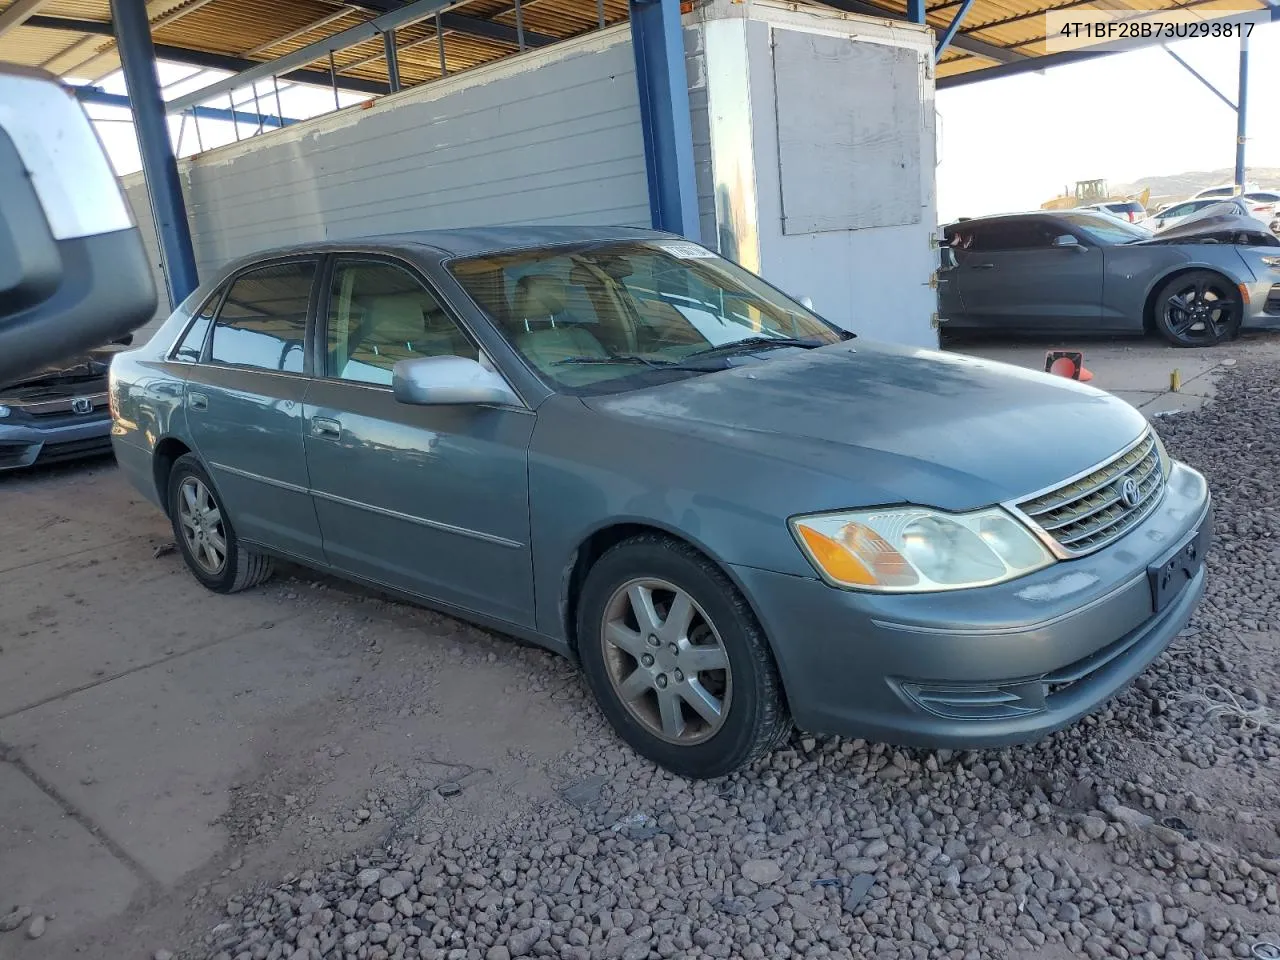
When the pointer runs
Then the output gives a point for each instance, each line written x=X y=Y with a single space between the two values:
x=263 y=319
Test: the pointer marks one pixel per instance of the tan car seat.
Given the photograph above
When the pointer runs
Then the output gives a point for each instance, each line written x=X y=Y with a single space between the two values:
x=539 y=327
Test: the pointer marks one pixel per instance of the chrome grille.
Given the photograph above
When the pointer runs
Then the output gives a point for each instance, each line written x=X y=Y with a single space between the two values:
x=1089 y=513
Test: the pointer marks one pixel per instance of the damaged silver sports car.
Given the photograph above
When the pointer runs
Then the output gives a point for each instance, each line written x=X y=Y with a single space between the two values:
x=1073 y=272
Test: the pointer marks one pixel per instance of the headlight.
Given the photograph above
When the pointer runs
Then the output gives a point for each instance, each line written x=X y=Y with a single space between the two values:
x=1271 y=261
x=4 y=411
x=917 y=550
x=1165 y=460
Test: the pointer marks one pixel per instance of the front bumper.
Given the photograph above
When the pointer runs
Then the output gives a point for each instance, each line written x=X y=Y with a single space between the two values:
x=987 y=667
x=1263 y=310
x=24 y=444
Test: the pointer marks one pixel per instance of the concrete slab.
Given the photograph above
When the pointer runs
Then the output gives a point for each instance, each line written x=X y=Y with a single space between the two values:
x=53 y=864
x=86 y=631
x=1138 y=371
x=150 y=757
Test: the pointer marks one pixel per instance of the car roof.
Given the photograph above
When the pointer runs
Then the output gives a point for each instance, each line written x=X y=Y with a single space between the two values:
x=465 y=242
x=1023 y=215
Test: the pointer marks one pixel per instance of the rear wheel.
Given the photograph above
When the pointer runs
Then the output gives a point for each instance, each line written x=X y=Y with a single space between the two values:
x=204 y=533
x=1198 y=309
x=677 y=660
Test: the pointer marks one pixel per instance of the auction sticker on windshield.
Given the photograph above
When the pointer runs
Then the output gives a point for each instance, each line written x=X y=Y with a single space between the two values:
x=685 y=251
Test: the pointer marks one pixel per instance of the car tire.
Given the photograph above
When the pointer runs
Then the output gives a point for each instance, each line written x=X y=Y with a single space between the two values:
x=1199 y=308
x=660 y=696
x=204 y=533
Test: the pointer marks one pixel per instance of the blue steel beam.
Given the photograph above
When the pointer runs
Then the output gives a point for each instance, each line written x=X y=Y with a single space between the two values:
x=657 y=37
x=99 y=96
x=1195 y=73
x=949 y=34
x=1242 y=107
x=159 y=167
x=915 y=11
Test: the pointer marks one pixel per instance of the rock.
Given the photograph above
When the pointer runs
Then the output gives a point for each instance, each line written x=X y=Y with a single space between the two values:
x=498 y=952
x=389 y=888
x=976 y=874
x=522 y=941
x=1093 y=827
x=768 y=898
x=1130 y=817
x=762 y=872
x=367 y=878
x=1192 y=934
x=162 y=955
x=36 y=928
x=1148 y=916
x=875 y=849
x=381 y=912
x=14 y=919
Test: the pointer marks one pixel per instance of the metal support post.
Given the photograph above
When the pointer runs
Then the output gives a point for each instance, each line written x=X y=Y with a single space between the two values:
x=444 y=69
x=600 y=13
x=160 y=168
x=657 y=36
x=915 y=11
x=1242 y=103
x=275 y=82
x=519 y=26
x=235 y=124
x=333 y=77
x=393 y=64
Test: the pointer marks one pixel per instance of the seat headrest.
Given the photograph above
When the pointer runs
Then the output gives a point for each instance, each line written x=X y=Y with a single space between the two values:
x=539 y=295
x=396 y=317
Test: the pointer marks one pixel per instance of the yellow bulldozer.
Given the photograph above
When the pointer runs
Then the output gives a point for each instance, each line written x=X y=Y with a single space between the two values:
x=1089 y=192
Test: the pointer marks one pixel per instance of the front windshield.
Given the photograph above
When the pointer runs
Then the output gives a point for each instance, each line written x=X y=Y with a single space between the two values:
x=1106 y=229
x=614 y=315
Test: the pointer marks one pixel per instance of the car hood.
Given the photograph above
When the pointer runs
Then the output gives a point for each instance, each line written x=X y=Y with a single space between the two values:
x=896 y=424
x=1217 y=228
x=87 y=366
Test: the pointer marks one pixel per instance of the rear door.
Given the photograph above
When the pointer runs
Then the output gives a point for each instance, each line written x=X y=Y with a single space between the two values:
x=1013 y=277
x=244 y=405
x=433 y=500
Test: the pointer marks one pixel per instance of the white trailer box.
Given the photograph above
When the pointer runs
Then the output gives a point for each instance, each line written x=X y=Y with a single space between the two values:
x=813 y=147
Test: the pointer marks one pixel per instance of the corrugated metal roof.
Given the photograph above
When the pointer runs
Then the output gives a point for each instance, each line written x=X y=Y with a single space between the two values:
x=993 y=32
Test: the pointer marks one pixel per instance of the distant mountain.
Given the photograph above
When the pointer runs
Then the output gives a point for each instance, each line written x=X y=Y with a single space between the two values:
x=1179 y=185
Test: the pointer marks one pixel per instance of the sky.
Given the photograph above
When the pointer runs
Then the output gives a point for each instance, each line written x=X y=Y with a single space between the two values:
x=1003 y=145
x=1014 y=143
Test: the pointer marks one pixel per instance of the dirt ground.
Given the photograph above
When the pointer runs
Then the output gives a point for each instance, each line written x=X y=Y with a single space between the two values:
x=166 y=754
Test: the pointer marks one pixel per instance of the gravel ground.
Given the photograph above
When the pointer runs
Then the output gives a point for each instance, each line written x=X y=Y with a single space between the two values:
x=1148 y=830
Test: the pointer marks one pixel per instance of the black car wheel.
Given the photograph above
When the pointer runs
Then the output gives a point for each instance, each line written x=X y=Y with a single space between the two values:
x=1198 y=309
x=677 y=660
x=204 y=533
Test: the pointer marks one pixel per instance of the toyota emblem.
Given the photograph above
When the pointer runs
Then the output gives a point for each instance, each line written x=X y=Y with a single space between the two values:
x=1130 y=494
x=81 y=405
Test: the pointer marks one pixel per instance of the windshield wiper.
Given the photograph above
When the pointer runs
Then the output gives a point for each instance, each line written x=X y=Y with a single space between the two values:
x=752 y=342
x=619 y=358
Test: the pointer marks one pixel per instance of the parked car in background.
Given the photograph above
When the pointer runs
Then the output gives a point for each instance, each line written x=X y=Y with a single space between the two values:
x=1179 y=212
x=1130 y=210
x=1074 y=272
x=618 y=445
x=1223 y=190
x=1263 y=204
x=58 y=412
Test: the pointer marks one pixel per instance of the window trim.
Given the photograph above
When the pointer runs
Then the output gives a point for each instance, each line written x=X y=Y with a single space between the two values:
x=318 y=355
x=206 y=354
x=215 y=297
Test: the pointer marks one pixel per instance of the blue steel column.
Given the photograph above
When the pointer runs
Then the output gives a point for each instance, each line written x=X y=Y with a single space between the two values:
x=1242 y=102
x=658 y=38
x=915 y=11
x=138 y=60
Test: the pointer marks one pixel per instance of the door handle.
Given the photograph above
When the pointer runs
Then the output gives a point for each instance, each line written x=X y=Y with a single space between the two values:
x=197 y=401
x=983 y=266
x=326 y=429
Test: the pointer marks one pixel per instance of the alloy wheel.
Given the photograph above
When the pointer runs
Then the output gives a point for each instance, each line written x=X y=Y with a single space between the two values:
x=202 y=528
x=666 y=661
x=1201 y=311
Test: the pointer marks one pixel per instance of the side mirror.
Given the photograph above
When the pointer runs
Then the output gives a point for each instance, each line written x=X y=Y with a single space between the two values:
x=806 y=302
x=73 y=270
x=434 y=381
x=1068 y=242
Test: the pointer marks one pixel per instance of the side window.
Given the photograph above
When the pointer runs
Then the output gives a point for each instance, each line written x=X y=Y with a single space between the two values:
x=263 y=320
x=379 y=314
x=1015 y=235
x=191 y=348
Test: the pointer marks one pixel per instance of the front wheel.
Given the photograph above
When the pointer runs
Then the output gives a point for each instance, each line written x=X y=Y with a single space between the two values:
x=205 y=535
x=1198 y=309
x=677 y=660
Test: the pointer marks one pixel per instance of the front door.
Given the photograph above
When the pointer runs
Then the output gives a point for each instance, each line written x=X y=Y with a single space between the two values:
x=433 y=500
x=244 y=407
x=1014 y=278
